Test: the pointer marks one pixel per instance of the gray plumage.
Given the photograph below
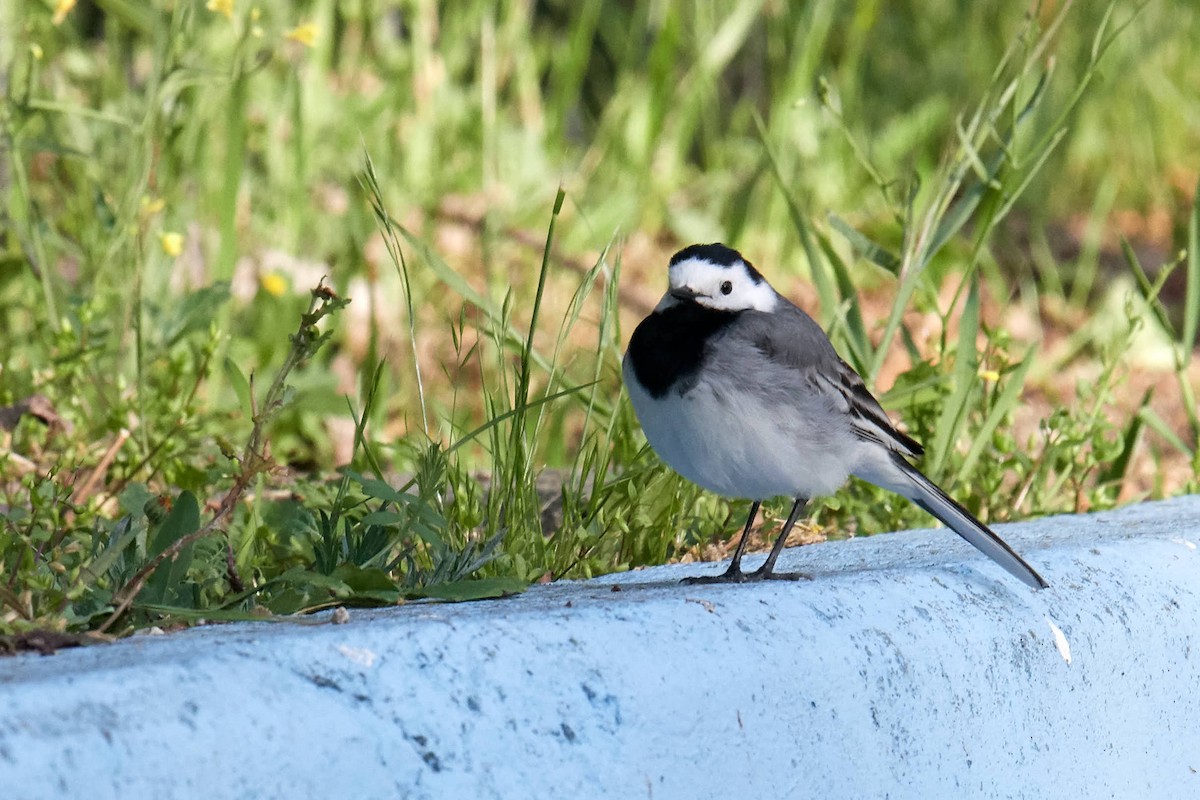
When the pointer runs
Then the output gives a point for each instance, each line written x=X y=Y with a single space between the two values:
x=742 y=393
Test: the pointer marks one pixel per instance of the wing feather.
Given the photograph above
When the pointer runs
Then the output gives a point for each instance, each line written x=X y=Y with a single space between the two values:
x=806 y=350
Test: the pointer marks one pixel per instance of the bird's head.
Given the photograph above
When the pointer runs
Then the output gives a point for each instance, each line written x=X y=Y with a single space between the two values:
x=717 y=277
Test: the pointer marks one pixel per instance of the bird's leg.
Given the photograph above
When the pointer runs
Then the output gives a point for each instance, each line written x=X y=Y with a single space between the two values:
x=734 y=574
x=766 y=571
x=735 y=566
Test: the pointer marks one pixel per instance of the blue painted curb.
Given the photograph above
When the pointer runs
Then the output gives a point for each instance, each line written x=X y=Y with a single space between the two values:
x=908 y=667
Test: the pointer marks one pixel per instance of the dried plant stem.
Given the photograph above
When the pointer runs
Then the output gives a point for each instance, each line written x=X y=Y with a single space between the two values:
x=306 y=341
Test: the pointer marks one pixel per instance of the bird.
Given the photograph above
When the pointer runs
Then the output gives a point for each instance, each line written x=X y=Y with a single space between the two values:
x=741 y=392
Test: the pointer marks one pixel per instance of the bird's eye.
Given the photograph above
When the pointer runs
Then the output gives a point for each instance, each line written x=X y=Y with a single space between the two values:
x=726 y=287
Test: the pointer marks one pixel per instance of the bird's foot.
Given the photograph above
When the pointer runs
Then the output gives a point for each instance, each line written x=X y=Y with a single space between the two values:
x=729 y=576
x=759 y=575
x=735 y=575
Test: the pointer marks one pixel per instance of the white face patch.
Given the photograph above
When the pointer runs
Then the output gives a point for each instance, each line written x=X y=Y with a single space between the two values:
x=719 y=287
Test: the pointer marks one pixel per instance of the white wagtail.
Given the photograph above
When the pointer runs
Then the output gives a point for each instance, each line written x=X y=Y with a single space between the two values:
x=742 y=393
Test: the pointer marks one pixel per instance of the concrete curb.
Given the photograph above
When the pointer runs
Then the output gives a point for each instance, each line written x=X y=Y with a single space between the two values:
x=908 y=667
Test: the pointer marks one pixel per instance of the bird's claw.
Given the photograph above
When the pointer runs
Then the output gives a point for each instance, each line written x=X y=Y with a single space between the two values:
x=737 y=576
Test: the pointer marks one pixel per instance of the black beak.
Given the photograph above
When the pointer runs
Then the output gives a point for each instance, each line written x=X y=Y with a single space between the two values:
x=683 y=293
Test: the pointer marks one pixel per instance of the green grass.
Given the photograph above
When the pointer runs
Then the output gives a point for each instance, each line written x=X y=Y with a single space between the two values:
x=495 y=194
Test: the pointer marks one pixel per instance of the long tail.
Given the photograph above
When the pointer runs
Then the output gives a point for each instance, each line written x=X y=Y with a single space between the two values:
x=928 y=495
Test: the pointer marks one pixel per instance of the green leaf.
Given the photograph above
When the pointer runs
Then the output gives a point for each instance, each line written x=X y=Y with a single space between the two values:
x=922 y=384
x=871 y=250
x=367 y=583
x=1191 y=303
x=307 y=590
x=124 y=533
x=816 y=266
x=384 y=517
x=208 y=614
x=966 y=380
x=381 y=490
x=195 y=312
x=1151 y=418
x=134 y=498
x=856 y=337
x=1010 y=395
x=241 y=386
x=481 y=589
x=1115 y=471
x=361 y=579
x=1149 y=289
x=183 y=520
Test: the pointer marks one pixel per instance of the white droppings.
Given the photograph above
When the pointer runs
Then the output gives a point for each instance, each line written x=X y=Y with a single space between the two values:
x=359 y=655
x=1060 y=641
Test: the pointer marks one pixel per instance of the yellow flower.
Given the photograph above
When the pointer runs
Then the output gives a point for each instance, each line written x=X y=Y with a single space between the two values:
x=989 y=375
x=172 y=243
x=151 y=206
x=61 y=9
x=305 y=34
x=274 y=284
x=35 y=50
x=221 y=7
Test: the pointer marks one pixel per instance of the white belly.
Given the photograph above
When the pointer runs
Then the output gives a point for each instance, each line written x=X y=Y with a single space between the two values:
x=717 y=436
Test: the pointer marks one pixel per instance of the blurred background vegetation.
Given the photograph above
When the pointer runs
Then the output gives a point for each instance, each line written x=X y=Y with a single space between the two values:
x=987 y=204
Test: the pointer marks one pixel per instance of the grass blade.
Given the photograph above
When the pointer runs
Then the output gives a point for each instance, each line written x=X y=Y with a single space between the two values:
x=1114 y=473
x=1009 y=397
x=1155 y=422
x=871 y=250
x=966 y=367
x=855 y=329
x=456 y=282
x=1149 y=289
x=816 y=266
x=1191 y=302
